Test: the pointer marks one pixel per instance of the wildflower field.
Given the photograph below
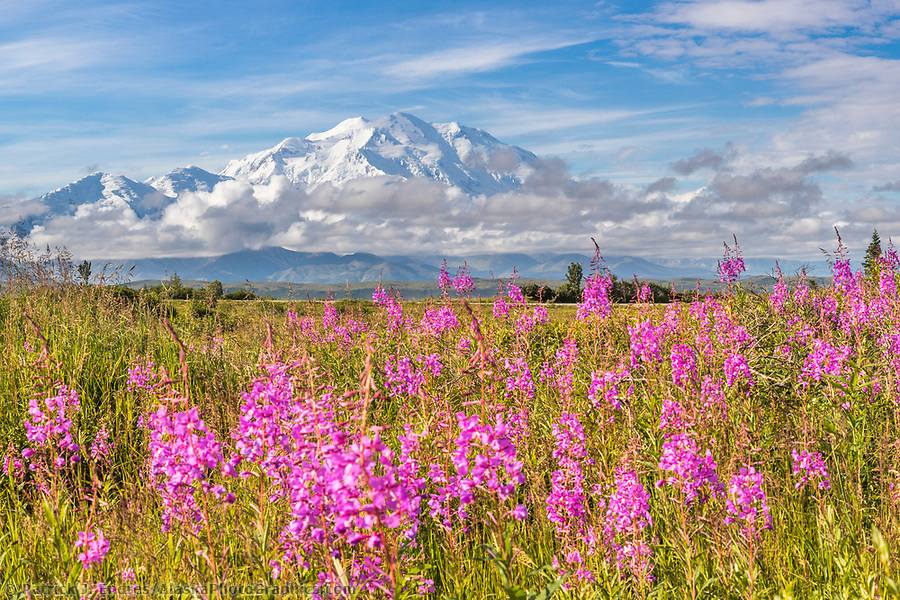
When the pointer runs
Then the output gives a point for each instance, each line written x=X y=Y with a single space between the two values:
x=742 y=445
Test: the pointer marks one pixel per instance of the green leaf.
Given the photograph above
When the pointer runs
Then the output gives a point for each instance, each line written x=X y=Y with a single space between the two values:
x=548 y=591
x=881 y=546
x=516 y=592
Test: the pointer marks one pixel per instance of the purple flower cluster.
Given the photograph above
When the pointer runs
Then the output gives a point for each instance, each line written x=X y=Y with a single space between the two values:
x=596 y=299
x=736 y=368
x=340 y=488
x=263 y=436
x=746 y=502
x=646 y=343
x=824 y=359
x=527 y=322
x=627 y=515
x=463 y=283
x=693 y=475
x=672 y=416
x=141 y=376
x=94 y=547
x=732 y=265
x=484 y=459
x=566 y=506
x=402 y=377
x=183 y=452
x=49 y=428
x=684 y=365
x=391 y=305
x=519 y=379
x=436 y=321
x=102 y=448
x=444 y=281
x=561 y=374
x=607 y=384
x=810 y=466
x=509 y=297
x=779 y=296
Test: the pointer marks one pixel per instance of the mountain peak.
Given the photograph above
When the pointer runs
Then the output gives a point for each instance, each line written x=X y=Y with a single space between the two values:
x=185 y=179
x=400 y=146
x=341 y=129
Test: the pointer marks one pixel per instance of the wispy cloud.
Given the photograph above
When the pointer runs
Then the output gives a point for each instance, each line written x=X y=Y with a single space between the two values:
x=763 y=15
x=477 y=58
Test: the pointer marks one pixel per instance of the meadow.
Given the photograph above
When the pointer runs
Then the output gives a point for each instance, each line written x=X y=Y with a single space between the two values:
x=740 y=445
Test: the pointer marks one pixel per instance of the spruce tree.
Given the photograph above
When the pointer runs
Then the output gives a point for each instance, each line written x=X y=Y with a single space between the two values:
x=873 y=252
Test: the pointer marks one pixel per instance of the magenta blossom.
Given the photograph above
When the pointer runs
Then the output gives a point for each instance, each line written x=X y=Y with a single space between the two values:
x=810 y=466
x=746 y=502
x=94 y=547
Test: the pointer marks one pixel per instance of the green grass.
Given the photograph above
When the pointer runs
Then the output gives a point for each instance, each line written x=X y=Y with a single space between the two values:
x=837 y=543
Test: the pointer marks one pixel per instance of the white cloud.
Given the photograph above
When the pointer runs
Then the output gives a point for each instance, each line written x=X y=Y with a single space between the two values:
x=763 y=15
x=476 y=58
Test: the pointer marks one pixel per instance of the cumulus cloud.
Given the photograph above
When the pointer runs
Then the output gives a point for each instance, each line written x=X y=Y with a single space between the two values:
x=783 y=194
x=893 y=186
x=553 y=211
x=703 y=159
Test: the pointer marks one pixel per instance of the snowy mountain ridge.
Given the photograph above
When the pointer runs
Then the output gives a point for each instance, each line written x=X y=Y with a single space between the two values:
x=398 y=146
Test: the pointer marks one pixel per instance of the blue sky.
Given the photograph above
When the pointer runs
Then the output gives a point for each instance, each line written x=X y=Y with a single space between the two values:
x=772 y=119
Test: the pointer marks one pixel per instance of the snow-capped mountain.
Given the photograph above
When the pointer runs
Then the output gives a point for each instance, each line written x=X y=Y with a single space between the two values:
x=103 y=192
x=187 y=179
x=398 y=146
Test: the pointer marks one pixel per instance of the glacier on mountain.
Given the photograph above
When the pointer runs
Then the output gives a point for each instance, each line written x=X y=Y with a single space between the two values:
x=399 y=146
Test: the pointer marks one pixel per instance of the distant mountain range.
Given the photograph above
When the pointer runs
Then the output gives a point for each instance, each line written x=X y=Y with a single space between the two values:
x=282 y=265
x=393 y=148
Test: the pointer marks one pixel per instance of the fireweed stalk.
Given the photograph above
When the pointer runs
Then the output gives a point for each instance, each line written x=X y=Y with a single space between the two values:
x=364 y=493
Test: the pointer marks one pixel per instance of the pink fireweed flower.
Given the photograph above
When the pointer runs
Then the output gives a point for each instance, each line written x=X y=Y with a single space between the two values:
x=94 y=547
x=824 y=359
x=779 y=296
x=672 y=416
x=509 y=296
x=431 y=363
x=102 y=448
x=519 y=379
x=810 y=466
x=391 y=305
x=49 y=427
x=484 y=460
x=567 y=502
x=12 y=466
x=731 y=267
x=736 y=367
x=746 y=502
x=561 y=374
x=608 y=386
x=262 y=436
x=463 y=283
x=182 y=453
x=646 y=342
x=844 y=279
x=436 y=321
x=402 y=377
x=692 y=474
x=367 y=491
x=141 y=377
x=627 y=515
x=684 y=365
x=501 y=309
x=444 y=281
x=596 y=299
x=527 y=322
